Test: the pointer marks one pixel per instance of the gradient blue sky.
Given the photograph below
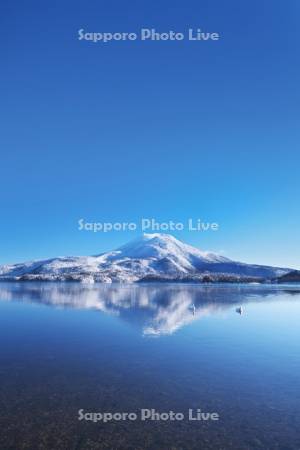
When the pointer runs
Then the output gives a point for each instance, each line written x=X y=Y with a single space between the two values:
x=169 y=130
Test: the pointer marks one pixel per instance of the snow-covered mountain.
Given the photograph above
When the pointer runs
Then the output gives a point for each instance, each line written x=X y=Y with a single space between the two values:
x=151 y=257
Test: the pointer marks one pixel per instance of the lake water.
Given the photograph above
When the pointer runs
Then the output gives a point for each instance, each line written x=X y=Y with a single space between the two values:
x=233 y=350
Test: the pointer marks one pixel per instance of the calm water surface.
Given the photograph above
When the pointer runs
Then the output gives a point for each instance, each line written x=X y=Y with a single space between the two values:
x=233 y=350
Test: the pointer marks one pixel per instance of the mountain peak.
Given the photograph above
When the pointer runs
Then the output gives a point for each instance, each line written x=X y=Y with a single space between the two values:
x=149 y=245
x=163 y=237
x=158 y=235
x=162 y=245
x=152 y=238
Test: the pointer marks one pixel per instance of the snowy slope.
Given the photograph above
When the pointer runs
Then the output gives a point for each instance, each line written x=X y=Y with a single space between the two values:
x=151 y=257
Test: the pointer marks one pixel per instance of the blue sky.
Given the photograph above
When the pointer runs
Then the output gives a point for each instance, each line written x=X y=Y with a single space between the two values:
x=171 y=130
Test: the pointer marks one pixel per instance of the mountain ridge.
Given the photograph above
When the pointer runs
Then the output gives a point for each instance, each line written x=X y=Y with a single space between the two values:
x=151 y=257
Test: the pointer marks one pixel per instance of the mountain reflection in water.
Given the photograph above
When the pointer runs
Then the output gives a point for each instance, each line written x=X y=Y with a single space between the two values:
x=158 y=309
